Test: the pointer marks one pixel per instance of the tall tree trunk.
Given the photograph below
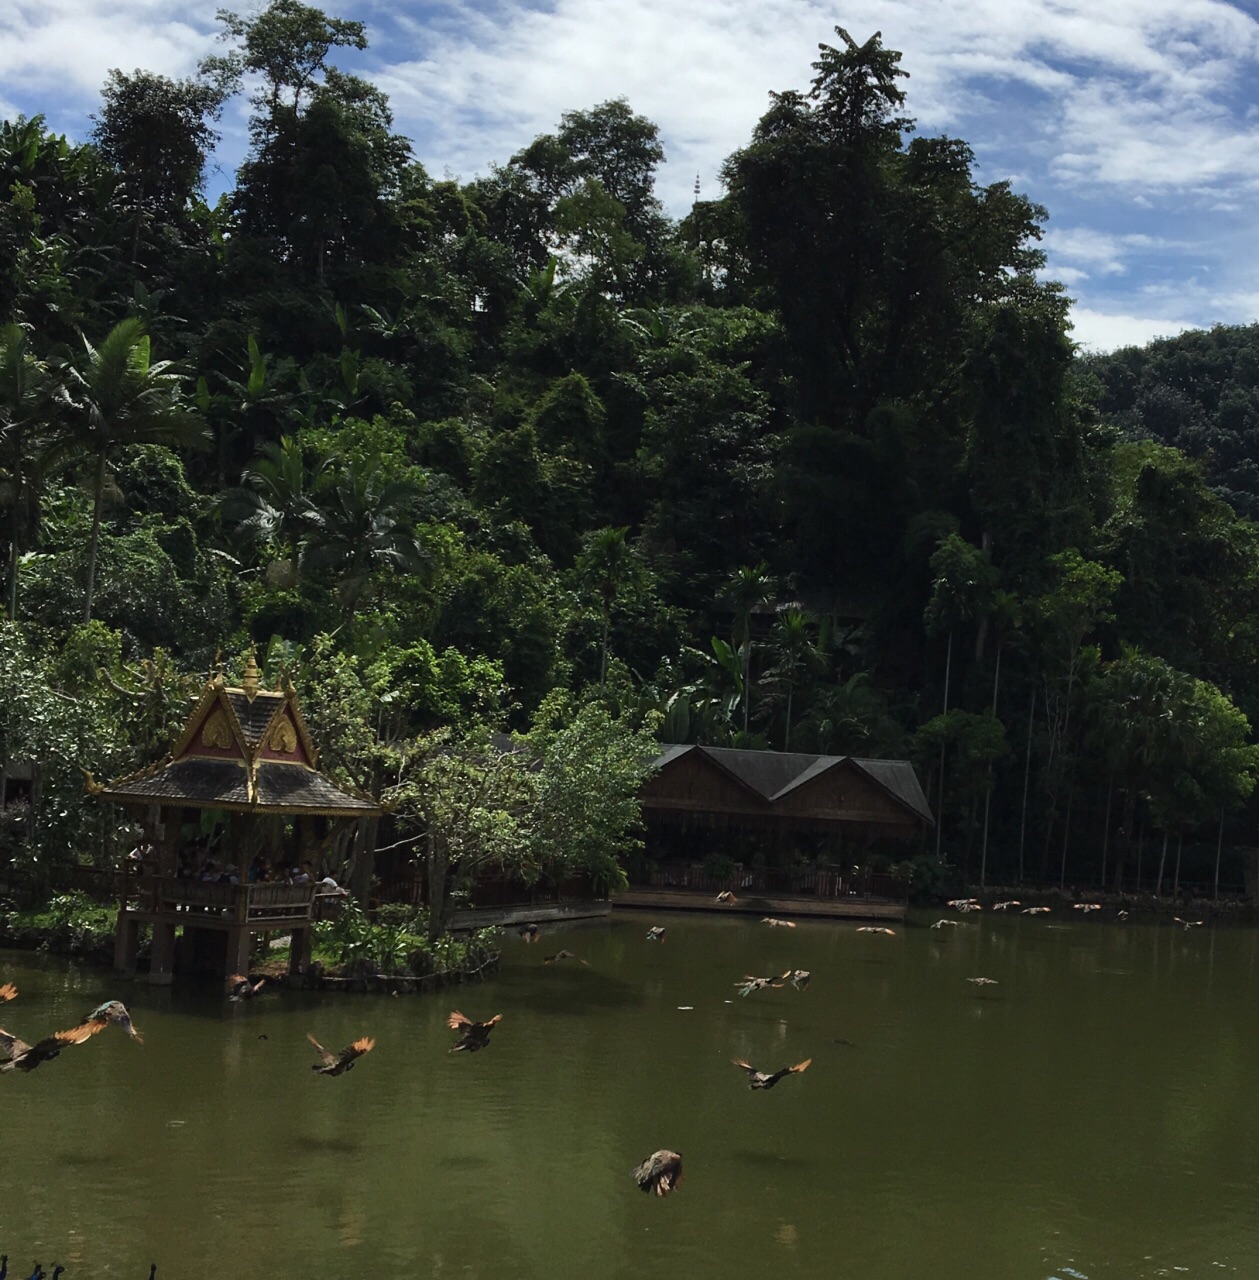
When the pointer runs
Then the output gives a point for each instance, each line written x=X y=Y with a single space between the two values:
x=1219 y=849
x=438 y=888
x=791 y=688
x=983 y=856
x=1180 y=844
x=1110 y=791
x=94 y=543
x=1140 y=852
x=1124 y=843
x=13 y=559
x=1027 y=777
x=603 y=653
x=364 y=859
x=948 y=671
x=747 y=682
x=1066 y=840
x=1162 y=866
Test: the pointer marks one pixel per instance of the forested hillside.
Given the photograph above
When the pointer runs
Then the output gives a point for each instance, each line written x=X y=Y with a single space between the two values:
x=813 y=468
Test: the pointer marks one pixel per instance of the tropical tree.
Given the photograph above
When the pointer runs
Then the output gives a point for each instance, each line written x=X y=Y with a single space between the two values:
x=748 y=589
x=26 y=426
x=798 y=656
x=116 y=396
x=607 y=566
x=362 y=525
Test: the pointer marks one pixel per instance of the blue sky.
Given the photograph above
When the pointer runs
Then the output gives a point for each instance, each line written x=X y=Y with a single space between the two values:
x=1135 y=122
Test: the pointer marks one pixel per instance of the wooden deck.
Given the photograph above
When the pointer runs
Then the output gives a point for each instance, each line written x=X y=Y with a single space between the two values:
x=656 y=898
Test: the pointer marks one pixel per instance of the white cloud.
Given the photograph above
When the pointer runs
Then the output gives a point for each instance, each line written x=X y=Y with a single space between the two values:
x=1106 y=330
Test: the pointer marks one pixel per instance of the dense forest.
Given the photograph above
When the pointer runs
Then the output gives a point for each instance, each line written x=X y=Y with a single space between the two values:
x=814 y=468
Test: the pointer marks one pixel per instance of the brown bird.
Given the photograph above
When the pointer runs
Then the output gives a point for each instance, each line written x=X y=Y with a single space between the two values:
x=116 y=1012
x=778 y=924
x=8 y=992
x=476 y=1035
x=1003 y=906
x=660 y=1172
x=563 y=955
x=964 y=904
x=1035 y=911
x=726 y=897
x=1086 y=907
x=876 y=928
x=528 y=932
x=750 y=984
x=334 y=1064
x=952 y=924
x=799 y=978
x=26 y=1057
x=240 y=988
x=656 y=933
x=766 y=1079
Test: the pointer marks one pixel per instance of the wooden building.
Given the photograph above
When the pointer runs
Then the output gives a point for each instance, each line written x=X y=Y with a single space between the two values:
x=777 y=796
x=245 y=756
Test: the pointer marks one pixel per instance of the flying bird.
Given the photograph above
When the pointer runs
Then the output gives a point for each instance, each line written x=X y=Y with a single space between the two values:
x=767 y=1079
x=964 y=904
x=1003 y=906
x=1189 y=924
x=1086 y=907
x=26 y=1057
x=778 y=924
x=952 y=924
x=750 y=984
x=726 y=897
x=660 y=1172
x=116 y=1012
x=982 y=982
x=240 y=988
x=528 y=932
x=335 y=1064
x=1035 y=911
x=656 y=933
x=1123 y=915
x=563 y=955
x=799 y=978
x=476 y=1035
x=876 y=928
x=7 y=992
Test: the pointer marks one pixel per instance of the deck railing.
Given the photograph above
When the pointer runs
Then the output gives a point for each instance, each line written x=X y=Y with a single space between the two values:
x=242 y=903
x=820 y=882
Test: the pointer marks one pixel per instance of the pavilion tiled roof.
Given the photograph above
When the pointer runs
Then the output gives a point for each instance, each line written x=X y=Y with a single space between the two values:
x=245 y=749
x=771 y=775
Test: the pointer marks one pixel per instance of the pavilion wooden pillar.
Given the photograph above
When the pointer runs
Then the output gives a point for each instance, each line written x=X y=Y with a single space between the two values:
x=162 y=963
x=299 y=951
x=126 y=943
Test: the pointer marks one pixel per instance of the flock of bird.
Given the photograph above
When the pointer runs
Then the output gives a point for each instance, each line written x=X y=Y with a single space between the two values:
x=660 y=1173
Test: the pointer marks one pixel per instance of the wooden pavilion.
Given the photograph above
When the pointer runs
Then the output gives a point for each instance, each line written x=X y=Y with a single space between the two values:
x=245 y=756
x=780 y=794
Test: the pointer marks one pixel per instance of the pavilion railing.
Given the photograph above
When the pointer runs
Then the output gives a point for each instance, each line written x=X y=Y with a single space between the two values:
x=819 y=882
x=242 y=903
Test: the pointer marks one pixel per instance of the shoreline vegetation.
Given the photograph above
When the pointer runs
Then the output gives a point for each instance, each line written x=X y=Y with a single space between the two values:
x=516 y=479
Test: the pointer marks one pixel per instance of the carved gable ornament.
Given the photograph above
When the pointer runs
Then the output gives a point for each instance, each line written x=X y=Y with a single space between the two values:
x=283 y=737
x=216 y=732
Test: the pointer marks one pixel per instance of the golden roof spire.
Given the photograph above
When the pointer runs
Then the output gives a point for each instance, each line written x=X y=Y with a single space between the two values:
x=252 y=679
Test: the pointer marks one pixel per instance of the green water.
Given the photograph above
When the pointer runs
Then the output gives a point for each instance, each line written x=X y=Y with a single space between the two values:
x=1095 y=1114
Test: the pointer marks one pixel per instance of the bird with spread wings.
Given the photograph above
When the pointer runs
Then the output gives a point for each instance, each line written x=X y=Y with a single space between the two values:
x=768 y=1079
x=335 y=1064
x=476 y=1035
x=21 y=1056
x=660 y=1172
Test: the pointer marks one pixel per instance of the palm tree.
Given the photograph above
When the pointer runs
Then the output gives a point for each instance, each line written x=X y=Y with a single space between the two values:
x=360 y=526
x=606 y=565
x=276 y=503
x=748 y=589
x=26 y=453
x=115 y=398
x=798 y=655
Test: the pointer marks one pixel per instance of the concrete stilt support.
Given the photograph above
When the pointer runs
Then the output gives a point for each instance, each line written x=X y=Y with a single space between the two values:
x=126 y=943
x=238 y=947
x=299 y=951
x=162 y=965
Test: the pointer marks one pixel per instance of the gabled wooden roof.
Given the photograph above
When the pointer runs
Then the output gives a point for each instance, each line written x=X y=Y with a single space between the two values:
x=245 y=749
x=770 y=780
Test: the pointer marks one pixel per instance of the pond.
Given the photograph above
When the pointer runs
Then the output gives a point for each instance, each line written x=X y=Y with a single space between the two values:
x=1094 y=1114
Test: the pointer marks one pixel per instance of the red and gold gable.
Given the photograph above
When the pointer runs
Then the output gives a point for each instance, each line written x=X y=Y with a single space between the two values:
x=282 y=741
x=213 y=737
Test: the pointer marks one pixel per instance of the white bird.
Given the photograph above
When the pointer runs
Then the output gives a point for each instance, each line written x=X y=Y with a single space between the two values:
x=982 y=982
x=1001 y=906
x=726 y=898
x=876 y=928
x=953 y=924
x=778 y=924
x=1086 y=907
x=965 y=904
x=1189 y=924
x=1035 y=911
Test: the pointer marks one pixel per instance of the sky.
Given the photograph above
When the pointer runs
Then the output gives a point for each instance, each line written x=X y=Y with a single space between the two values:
x=1134 y=122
